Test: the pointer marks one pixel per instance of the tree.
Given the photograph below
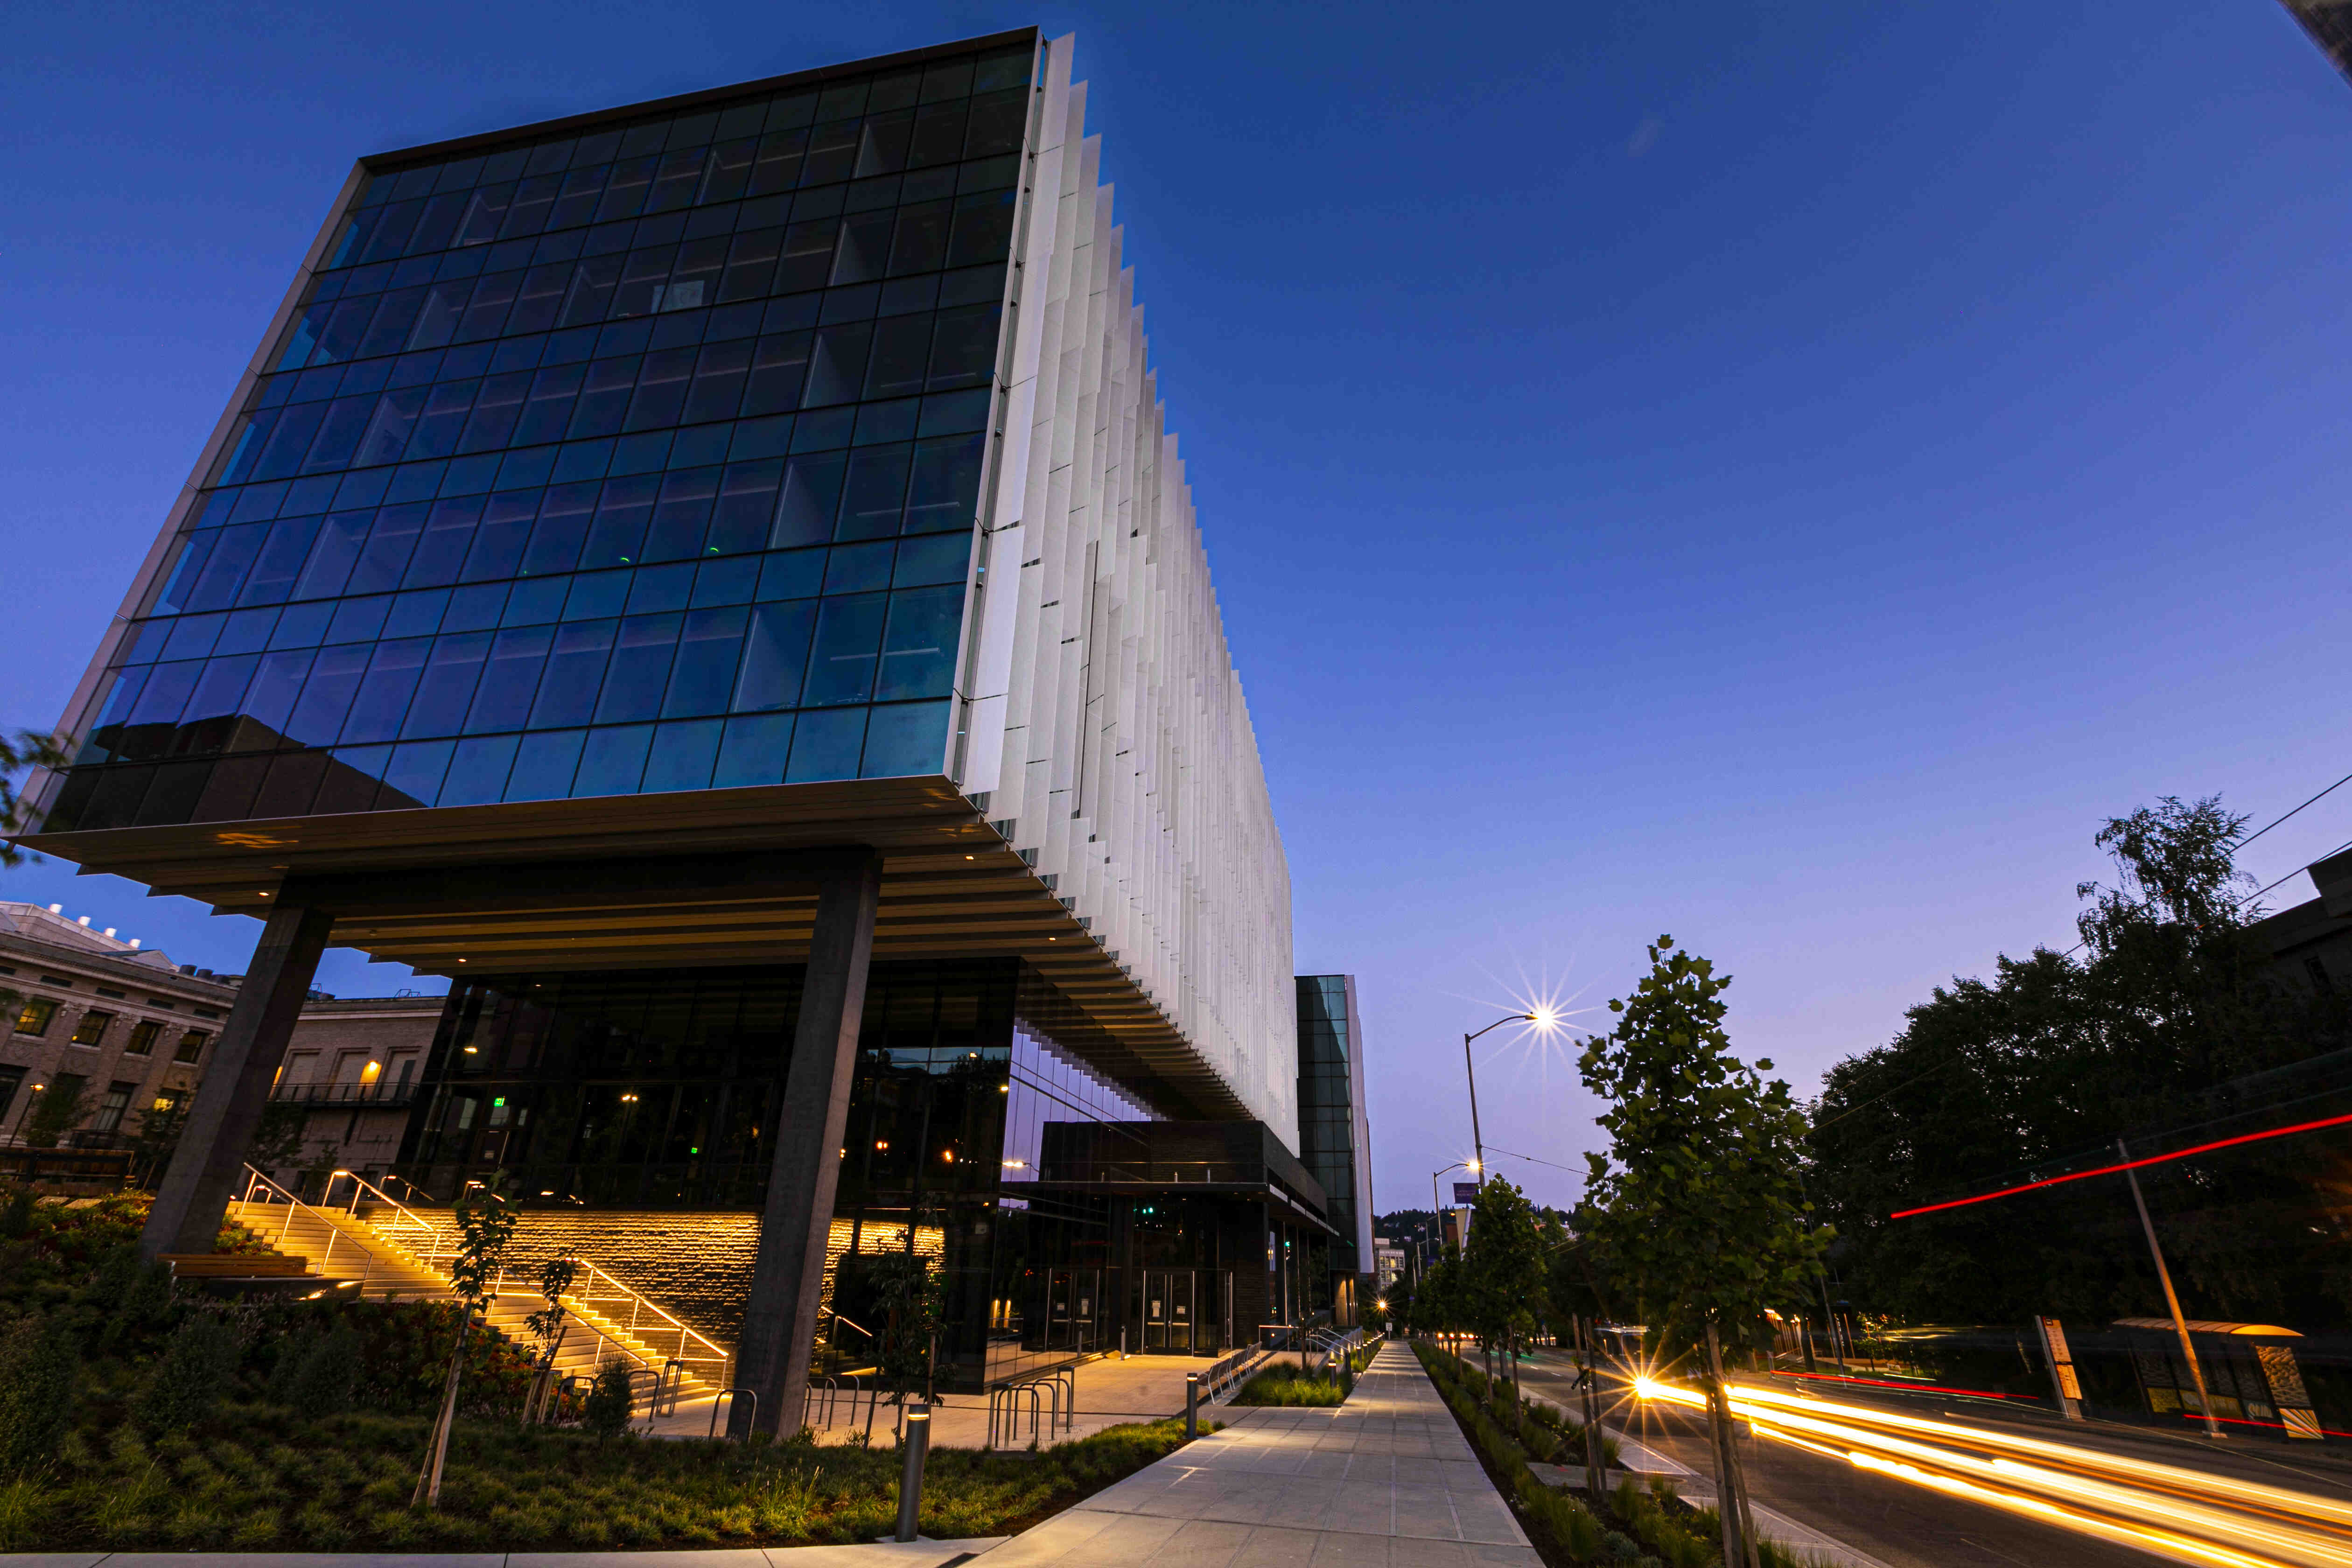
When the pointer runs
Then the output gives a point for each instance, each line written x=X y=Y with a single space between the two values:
x=61 y=1106
x=555 y=1277
x=896 y=1294
x=486 y=1224
x=26 y=750
x=1699 y=1197
x=2163 y=1021
x=1503 y=1275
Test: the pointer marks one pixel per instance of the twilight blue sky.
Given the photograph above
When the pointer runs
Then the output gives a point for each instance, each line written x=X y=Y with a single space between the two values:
x=1774 y=474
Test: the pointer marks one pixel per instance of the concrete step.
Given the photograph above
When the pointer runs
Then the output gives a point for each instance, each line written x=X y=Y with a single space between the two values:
x=346 y=1245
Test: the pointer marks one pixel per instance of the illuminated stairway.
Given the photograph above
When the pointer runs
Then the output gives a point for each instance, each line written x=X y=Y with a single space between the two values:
x=385 y=1261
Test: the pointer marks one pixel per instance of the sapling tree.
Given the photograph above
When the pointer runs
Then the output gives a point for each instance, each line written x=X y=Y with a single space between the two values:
x=1502 y=1275
x=548 y=1323
x=486 y=1224
x=1698 y=1201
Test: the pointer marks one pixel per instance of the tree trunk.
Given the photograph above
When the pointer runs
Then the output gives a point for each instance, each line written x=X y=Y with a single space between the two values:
x=428 y=1482
x=1731 y=1486
x=543 y=1388
x=1596 y=1472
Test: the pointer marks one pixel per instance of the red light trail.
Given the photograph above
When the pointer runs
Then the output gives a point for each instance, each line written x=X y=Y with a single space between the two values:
x=2127 y=1165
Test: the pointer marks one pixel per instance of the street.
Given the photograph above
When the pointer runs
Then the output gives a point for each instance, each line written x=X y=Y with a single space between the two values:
x=1908 y=1523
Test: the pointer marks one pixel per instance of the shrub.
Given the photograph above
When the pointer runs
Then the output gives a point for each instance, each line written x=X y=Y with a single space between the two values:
x=327 y=1374
x=197 y=1363
x=39 y=1364
x=609 y=1400
x=1284 y=1384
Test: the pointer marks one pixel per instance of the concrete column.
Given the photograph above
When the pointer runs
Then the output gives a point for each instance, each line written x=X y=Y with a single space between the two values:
x=780 y=1317
x=205 y=1167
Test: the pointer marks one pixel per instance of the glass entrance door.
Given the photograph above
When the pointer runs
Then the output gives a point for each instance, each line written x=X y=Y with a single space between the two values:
x=1168 y=1309
x=1071 y=1298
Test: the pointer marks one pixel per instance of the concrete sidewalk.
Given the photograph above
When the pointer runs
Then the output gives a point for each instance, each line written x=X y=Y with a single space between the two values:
x=1386 y=1481
x=886 y=1554
x=1110 y=1393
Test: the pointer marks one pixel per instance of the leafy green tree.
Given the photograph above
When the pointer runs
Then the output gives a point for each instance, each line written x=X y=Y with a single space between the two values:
x=1503 y=1275
x=486 y=1224
x=2162 y=1020
x=19 y=754
x=53 y=1115
x=1699 y=1197
x=555 y=1278
x=1436 y=1304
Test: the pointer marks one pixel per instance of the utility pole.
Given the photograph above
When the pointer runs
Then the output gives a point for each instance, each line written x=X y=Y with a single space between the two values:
x=2171 y=1299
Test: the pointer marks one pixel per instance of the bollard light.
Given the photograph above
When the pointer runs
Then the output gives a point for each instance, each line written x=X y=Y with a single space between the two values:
x=916 y=1442
x=1192 y=1405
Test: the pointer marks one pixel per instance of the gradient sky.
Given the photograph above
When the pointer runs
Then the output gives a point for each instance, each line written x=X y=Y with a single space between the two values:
x=1774 y=474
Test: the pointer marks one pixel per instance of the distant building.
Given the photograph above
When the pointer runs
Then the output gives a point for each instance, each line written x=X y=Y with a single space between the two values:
x=2311 y=944
x=123 y=1032
x=2329 y=23
x=357 y=1063
x=1388 y=1263
x=100 y=1019
x=1335 y=1137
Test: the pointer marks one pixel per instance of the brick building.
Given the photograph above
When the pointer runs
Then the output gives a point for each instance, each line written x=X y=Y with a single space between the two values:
x=100 y=1019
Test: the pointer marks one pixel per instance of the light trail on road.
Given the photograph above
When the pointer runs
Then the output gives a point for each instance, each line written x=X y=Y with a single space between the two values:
x=2189 y=1515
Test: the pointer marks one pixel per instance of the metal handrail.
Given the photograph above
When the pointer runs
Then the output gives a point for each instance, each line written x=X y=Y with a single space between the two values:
x=294 y=1205
x=377 y=1093
x=579 y=1300
x=403 y=1213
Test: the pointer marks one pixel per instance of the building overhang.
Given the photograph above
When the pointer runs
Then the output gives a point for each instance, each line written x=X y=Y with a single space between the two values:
x=694 y=879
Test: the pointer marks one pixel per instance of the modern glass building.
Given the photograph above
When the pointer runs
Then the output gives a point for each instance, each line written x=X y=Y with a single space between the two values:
x=713 y=578
x=1335 y=1131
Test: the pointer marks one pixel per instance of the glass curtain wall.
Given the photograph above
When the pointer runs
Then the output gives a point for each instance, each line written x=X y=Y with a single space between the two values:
x=1326 y=1110
x=638 y=460
x=661 y=1091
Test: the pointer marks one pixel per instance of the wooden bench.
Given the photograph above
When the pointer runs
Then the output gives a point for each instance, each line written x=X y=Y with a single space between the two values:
x=237 y=1265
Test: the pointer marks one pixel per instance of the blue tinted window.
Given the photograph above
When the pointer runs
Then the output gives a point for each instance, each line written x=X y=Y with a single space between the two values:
x=573 y=434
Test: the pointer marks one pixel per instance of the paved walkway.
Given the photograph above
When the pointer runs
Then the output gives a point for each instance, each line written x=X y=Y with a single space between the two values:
x=1386 y=1481
x=1110 y=1393
x=886 y=1554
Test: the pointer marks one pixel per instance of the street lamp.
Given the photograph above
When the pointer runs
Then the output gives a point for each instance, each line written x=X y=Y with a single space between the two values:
x=1436 y=1231
x=1545 y=1020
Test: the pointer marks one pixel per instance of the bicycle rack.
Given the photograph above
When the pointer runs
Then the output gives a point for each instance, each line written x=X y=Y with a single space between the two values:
x=737 y=1395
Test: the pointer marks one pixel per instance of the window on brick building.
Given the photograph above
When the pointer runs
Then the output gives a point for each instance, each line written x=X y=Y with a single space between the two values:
x=92 y=1028
x=34 y=1019
x=192 y=1045
x=143 y=1038
x=110 y=1107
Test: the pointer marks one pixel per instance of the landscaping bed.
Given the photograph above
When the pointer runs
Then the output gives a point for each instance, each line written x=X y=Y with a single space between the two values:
x=258 y=1478
x=133 y=1417
x=1289 y=1383
x=1634 y=1525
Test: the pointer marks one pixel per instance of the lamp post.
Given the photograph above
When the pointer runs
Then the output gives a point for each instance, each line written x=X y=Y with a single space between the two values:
x=1437 y=1231
x=1543 y=1018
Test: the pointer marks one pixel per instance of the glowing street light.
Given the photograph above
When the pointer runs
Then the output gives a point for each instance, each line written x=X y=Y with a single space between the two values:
x=1545 y=1019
